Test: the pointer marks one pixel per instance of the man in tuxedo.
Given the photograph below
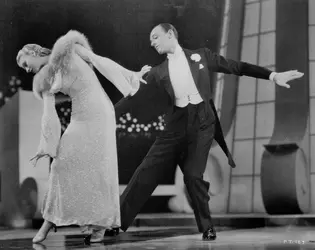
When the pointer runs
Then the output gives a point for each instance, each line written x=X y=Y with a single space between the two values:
x=191 y=123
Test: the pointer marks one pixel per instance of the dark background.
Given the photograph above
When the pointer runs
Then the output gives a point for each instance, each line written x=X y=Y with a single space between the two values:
x=118 y=29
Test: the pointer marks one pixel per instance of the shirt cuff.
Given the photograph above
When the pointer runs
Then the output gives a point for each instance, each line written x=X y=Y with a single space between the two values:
x=272 y=76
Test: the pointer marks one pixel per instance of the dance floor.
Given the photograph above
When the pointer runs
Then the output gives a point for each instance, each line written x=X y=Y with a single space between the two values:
x=286 y=238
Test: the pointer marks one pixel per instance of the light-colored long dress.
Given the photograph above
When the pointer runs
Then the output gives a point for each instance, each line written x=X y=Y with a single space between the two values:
x=83 y=184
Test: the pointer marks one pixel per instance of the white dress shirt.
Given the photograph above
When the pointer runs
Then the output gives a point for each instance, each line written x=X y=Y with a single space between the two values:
x=182 y=81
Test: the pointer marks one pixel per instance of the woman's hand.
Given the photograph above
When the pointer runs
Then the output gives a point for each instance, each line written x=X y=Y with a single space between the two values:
x=38 y=156
x=145 y=69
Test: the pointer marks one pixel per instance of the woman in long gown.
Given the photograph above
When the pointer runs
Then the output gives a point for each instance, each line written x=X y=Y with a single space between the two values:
x=83 y=184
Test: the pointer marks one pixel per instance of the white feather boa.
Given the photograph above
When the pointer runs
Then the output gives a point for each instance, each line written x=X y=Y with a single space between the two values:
x=59 y=63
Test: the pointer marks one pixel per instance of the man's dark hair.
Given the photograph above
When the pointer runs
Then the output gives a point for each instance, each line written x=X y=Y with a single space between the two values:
x=167 y=26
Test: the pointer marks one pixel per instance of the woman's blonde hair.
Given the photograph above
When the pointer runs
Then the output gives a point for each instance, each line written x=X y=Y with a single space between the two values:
x=33 y=50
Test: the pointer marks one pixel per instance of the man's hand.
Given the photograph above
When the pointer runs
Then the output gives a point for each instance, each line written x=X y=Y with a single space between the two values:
x=145 y=69
x=282 y=78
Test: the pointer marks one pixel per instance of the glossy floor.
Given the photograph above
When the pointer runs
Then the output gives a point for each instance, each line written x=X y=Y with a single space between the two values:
x=286 y=238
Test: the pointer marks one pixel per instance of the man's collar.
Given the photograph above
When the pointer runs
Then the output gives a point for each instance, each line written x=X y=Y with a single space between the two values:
x=178 y=50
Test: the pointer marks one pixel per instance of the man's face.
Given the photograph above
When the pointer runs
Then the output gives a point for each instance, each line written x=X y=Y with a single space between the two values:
x=160 y=40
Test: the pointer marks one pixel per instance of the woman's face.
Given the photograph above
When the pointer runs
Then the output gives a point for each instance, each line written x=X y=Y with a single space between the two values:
x=30 y=63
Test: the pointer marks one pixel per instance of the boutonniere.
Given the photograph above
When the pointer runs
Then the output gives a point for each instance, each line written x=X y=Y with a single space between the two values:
x=201 y=66
x=195 y=57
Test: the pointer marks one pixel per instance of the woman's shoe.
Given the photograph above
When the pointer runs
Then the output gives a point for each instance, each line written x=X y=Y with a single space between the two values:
x=43 y=231
x=96 y=237
x=88 y=240
x=39 y=246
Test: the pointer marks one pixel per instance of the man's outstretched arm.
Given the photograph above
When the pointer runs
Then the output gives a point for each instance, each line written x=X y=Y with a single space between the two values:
x=218 y=63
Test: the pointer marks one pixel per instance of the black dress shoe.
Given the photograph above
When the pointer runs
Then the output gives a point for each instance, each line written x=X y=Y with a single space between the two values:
x=210 y=234
x=111 y=232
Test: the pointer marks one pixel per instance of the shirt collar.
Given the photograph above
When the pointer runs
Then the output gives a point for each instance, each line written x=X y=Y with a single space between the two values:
x=177 y=52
